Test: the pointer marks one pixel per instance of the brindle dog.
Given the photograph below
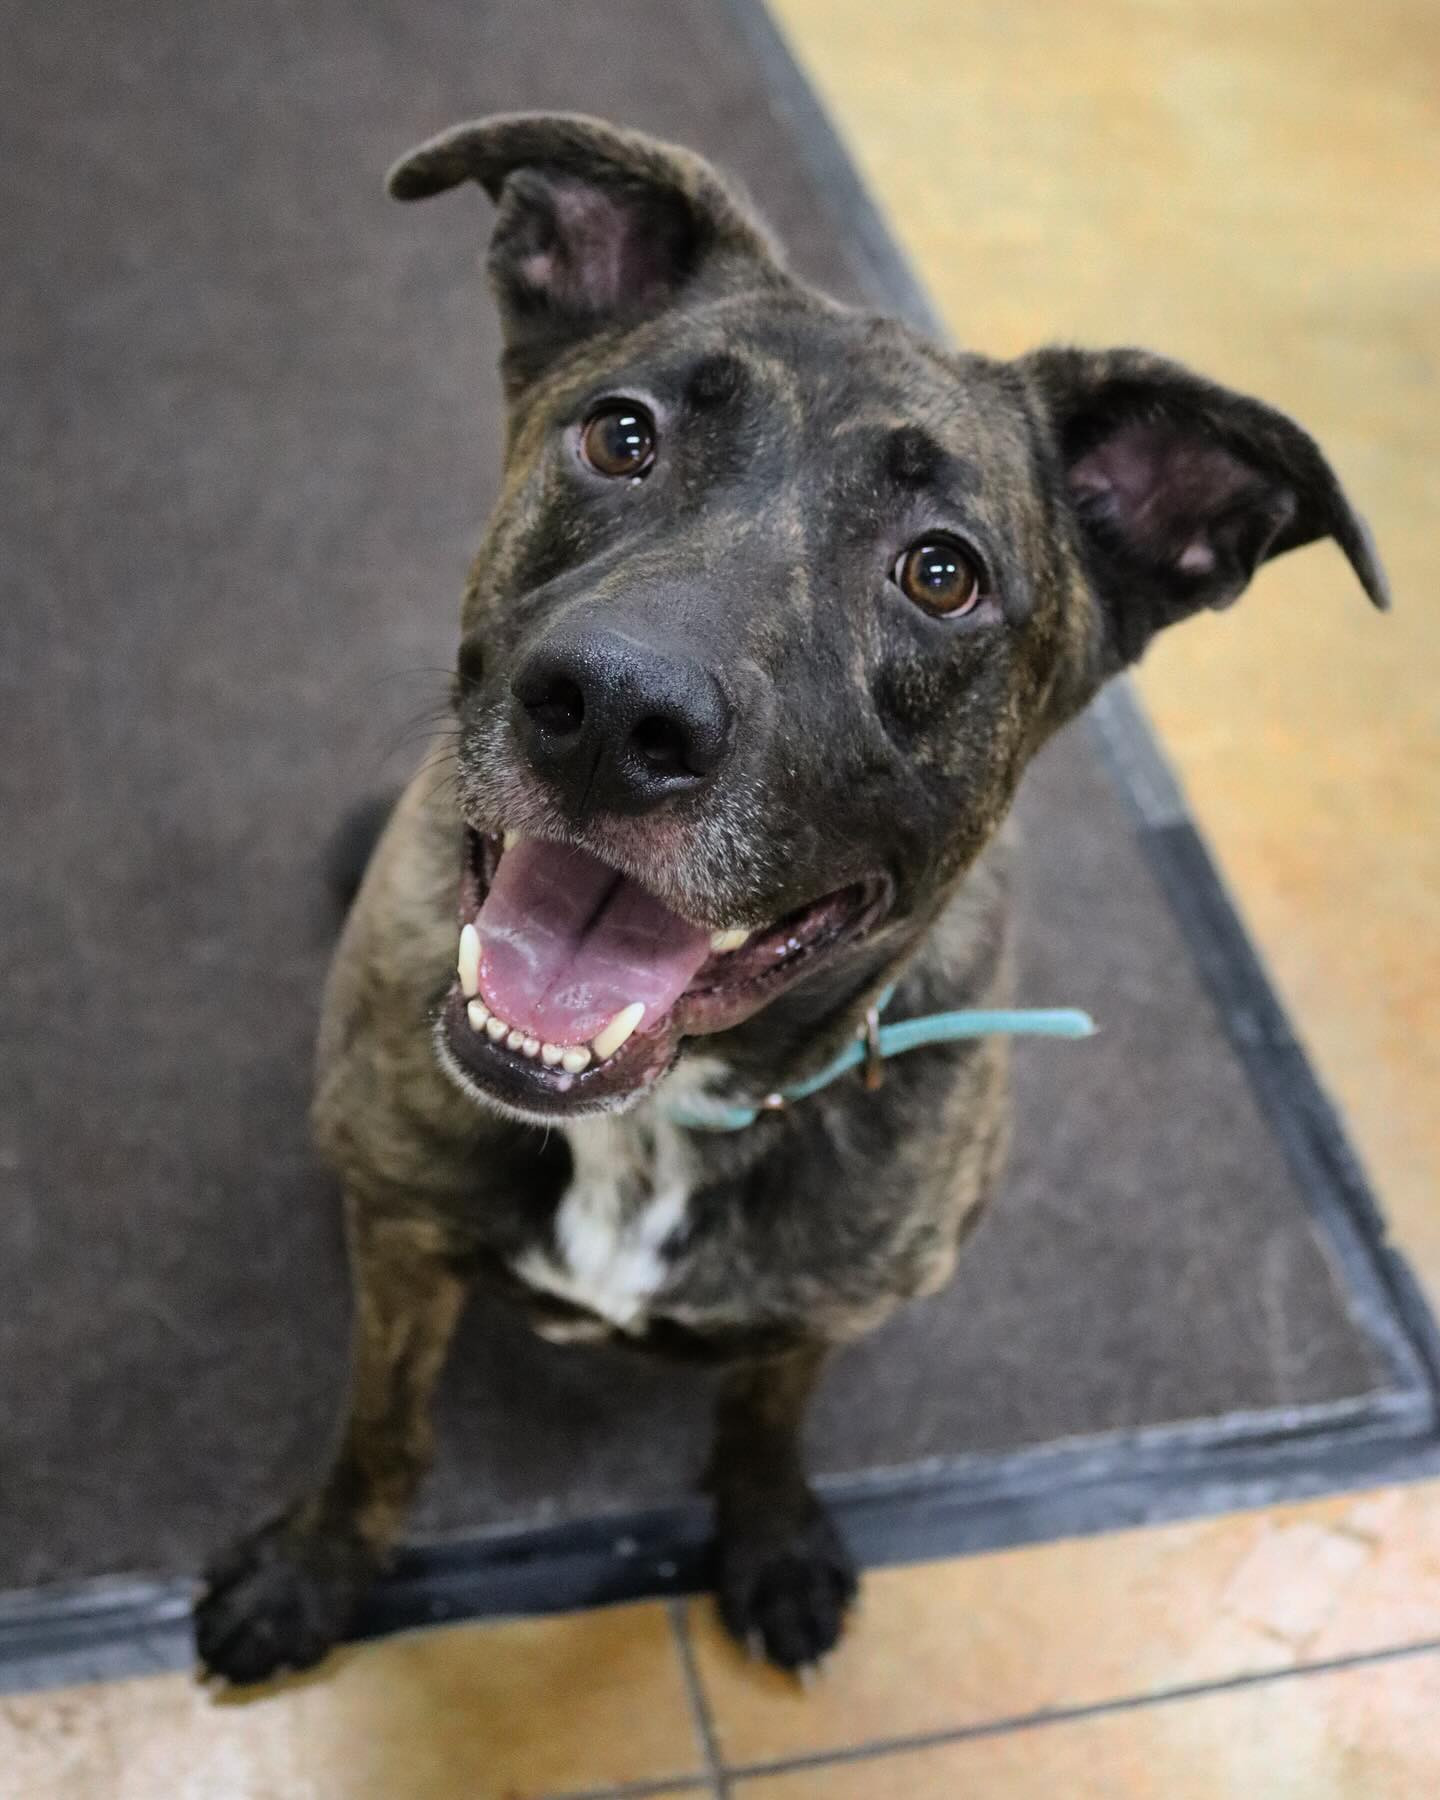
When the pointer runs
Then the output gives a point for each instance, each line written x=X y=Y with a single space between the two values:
x=778 y=601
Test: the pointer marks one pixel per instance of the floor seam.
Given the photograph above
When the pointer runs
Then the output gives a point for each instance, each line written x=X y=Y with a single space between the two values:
x=695 y=1692
x=1064 y=1715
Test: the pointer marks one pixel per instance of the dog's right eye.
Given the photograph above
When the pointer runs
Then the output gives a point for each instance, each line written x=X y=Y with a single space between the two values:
x=941 y=576
x=618 y=439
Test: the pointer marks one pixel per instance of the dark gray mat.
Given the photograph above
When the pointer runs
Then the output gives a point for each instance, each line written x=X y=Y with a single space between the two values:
x=252 y=423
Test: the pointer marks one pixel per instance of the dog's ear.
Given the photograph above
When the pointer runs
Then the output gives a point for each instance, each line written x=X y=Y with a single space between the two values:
x=1181 y=488
x=596 y=227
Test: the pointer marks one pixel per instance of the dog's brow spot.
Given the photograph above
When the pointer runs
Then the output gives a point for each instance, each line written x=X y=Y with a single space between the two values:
x=913 y=458
x=716 y=381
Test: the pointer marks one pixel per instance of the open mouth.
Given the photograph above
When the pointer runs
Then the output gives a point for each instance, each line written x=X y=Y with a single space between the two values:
x=575 y=984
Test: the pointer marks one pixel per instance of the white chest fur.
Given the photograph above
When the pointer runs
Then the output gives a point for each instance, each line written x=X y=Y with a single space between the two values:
x=620 y=1224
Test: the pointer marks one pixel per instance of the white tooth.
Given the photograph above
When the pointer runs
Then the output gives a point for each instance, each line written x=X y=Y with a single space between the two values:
x=514 y=1040
x=509 y=839
x=550 y=1054
x=495 y=1029
x=615 y=1033
x=467 y=964
x=531 y=1047
x=477 y=1014
x=573 y=1061
x=723 y=942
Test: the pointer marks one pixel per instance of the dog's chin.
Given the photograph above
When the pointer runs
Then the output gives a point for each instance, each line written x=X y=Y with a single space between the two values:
x=510 y=1067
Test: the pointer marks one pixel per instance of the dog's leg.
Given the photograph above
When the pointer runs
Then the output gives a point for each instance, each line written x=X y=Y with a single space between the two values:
x=785 y=1579
x=283 y=1595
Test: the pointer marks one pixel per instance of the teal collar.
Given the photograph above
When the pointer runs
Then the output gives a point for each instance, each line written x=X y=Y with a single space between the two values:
x=873 y=1044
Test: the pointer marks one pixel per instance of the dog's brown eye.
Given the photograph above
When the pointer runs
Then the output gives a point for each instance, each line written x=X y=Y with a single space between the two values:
x=619 y=439
x=939 y=575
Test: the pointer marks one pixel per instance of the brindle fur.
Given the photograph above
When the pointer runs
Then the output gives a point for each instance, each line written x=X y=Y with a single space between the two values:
x=807 y=445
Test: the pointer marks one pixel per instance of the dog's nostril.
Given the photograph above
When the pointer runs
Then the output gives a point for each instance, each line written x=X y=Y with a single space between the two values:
x=662 y=744
x=559 y=708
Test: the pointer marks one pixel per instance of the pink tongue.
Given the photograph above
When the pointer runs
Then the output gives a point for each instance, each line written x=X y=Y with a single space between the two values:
x=566 y=943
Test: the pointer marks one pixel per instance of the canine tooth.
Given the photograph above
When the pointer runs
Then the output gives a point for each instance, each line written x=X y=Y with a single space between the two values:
x=509 y=839
x=477 y=1013
x=515 y=1039
x=574 y=1060
x=467 y=963
x=723 y=942
x=550 y=1055
x=531 y=1047
x=607 y=1042
x=495 y=1029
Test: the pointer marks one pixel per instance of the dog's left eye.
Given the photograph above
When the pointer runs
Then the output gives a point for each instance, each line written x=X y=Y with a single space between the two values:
x=618 y=439
x=940 y=575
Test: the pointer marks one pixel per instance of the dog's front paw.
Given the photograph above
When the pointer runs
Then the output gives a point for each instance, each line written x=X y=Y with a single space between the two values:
x=278 y=1600
x=784 y=1594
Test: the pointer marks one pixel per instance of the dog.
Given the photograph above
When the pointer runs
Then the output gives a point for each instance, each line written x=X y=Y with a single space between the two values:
x=777 y=602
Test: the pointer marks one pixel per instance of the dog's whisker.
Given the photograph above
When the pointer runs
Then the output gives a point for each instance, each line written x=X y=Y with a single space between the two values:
x=444 y=732
x=417 y=733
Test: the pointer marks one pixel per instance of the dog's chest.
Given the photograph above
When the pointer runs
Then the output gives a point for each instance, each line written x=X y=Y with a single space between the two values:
x=619 y=1231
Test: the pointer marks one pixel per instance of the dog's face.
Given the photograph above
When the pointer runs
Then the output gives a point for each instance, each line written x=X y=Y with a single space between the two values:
x=776 y=605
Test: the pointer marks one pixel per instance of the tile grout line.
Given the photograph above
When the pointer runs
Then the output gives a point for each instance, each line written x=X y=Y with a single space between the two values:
x=695 y=1691
x=1065 y=1715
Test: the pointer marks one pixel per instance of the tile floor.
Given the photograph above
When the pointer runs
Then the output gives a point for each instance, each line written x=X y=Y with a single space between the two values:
x=1257 y=189
x=1294 y=1651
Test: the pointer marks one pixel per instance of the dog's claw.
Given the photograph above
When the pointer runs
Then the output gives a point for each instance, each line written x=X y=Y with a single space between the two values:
x=784 y=1599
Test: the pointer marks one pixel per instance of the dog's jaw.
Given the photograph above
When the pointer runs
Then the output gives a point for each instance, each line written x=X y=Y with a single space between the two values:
x=505 y=1063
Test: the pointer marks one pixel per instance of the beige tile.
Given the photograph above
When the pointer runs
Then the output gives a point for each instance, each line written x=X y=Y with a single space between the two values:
x=1364 y=1734
x=469 y=1713
x=1069 y=1624
x=1256 y=190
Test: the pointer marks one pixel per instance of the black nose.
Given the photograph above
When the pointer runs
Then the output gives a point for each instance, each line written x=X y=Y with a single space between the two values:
x=617 y=725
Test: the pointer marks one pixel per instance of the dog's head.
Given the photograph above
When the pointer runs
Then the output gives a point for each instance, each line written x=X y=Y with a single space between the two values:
x=777 y=602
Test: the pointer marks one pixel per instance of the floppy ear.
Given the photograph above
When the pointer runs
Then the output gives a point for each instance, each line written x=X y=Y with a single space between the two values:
x=1180 y=488
x=597 y=226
